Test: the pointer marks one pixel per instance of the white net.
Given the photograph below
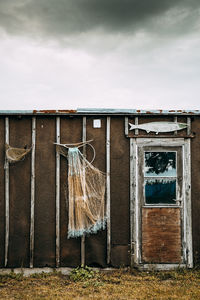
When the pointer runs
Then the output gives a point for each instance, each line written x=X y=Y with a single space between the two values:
x=86 y=194
x=14 y=155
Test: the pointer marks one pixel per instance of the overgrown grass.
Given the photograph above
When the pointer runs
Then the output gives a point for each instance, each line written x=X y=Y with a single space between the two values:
x=85 y=283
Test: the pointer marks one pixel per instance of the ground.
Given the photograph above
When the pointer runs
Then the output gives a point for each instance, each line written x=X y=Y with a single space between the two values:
x=87 y=284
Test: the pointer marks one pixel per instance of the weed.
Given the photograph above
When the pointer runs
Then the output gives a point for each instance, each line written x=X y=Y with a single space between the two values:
x=82 y=274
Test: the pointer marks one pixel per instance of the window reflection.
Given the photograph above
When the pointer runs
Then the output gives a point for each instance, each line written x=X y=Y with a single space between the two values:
x=160 y=191
x=160 y=164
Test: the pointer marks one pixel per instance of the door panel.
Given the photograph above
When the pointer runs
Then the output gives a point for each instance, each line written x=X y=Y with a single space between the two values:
x=160 y=200
x=161 y=235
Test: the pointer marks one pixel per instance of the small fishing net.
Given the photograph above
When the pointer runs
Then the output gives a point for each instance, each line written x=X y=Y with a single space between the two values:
x=86 y=191
x=15 y=154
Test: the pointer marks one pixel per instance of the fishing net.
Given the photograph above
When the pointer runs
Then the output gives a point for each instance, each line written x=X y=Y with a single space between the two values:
x=86 y=191
x=15 y=154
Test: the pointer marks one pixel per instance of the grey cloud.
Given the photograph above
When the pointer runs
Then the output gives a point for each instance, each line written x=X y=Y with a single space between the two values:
x=65 y=17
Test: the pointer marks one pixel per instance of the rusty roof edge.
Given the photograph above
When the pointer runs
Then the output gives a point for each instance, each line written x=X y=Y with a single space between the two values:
x=98 y=111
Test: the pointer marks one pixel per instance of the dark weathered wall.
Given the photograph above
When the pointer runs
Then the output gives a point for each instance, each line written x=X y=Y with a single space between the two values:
x=2 y=201
x=45 y=190
x=18 y=250
x=71 y=132
x=195 y=187
x=120 y=228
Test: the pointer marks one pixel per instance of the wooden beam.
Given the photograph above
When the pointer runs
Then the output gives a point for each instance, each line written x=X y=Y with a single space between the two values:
x=57 y=194
x=84 y=136
x=32 y=191
x=126 y=126
x=6 y=167
x=108 y=190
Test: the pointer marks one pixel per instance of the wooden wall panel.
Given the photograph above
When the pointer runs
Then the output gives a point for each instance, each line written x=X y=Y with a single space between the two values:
x=195 y=174
x=44 y=252
x=161 y=235
x=71 y=132
x=95 y=249
x=120 y=217
x=18 y=250
x=2 y=200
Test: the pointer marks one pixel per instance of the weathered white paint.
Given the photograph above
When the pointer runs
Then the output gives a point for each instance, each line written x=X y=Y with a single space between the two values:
x=126 y=126
x=84 y=136
x=175 y=120
x=187 y=220
x=57 y=195
x=160 y=142
x=159 y=127
x=6 y=167
x=136 y=124
x=108 y=190
x=187 y=205
x=132 y=200
x=157 y=267
x=32 y=191
x=188 y=125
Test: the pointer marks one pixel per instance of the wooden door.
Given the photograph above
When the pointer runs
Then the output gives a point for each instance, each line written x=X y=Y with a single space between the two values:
x=160 y=203
x=160 y=192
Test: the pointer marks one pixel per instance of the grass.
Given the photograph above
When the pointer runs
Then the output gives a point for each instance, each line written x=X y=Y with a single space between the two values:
x=121 y=284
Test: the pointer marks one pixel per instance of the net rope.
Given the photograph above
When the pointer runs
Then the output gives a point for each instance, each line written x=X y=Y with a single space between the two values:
x=86 y=193
x=14 y=155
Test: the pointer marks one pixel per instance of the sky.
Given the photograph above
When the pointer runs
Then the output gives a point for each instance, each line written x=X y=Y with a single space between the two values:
x=64 y=54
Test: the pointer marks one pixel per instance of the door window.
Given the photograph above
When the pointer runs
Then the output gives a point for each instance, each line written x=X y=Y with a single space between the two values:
x=160 y=177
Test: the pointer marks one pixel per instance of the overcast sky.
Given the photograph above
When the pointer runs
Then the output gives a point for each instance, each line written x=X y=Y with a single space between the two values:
x=60 y=54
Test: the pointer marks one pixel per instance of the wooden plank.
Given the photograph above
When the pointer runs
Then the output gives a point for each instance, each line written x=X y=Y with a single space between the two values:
x=45 y=191
x=20 y=192
x=2 y=191
x=175 y=120
x=32 y=191
x=6 y=195
x=161 y=235
x=126 y=126
x=84 y=153
x=70 y=249
x=188 y=126
x=108 y=190
x=132 y=200
x=57 y=195
x=187 y=206
x=136 y=123
x=160 y=136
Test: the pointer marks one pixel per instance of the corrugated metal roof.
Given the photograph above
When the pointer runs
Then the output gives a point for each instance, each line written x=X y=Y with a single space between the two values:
x=100 y=111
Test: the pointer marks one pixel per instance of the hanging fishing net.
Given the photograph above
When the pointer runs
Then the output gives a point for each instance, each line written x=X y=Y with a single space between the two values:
x=15 y=154
x=86 y=191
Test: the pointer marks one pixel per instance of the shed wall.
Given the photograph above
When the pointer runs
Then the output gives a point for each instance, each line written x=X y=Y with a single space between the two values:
x=45 y=192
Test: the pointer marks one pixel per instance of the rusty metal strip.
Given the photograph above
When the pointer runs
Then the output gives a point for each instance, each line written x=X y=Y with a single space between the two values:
x=32 y=191
x=84 y=130
x=6 y=167
x=108 y=190
x=57 y=195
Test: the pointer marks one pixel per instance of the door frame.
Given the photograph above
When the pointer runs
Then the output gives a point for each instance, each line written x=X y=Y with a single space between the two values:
x=135 y=212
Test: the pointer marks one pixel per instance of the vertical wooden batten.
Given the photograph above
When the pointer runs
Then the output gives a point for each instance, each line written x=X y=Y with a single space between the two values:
x=6 y=194
x=108 y=190
x=32 y=191
x=57 y=195
x=84 y=134
x=187 y=202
